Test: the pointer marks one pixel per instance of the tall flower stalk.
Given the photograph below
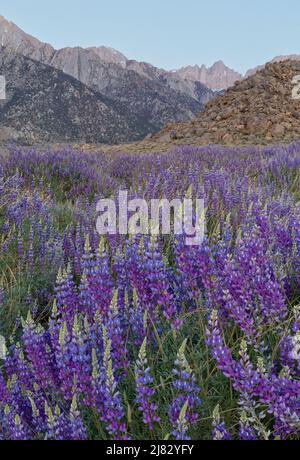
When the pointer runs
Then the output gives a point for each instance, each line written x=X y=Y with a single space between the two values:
x=144 y=389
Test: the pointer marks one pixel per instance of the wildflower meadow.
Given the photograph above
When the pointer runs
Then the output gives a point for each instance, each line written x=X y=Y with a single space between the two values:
x=120 y=337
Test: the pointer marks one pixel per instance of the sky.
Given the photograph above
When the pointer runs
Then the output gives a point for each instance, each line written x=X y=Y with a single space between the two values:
x=167 y=33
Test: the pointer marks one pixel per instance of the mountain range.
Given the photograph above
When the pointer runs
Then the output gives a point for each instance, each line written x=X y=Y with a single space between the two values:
x=145 y=97
x=114 y=99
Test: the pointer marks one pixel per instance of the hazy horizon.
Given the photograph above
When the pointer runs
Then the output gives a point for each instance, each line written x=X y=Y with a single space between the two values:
x=169 y=35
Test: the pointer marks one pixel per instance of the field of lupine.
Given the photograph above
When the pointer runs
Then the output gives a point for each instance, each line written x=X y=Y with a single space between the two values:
x=140 y=338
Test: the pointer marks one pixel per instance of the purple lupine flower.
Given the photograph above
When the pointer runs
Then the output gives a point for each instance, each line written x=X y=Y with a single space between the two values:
x=144 y=388
x=290 y=346
x=116 y=332
x=187 y=391
x=149 y=277
x=17 y=430
x=246 y=431
x=37 y=347
x=113 y=412
x=181 y=425
x=30 y=252
x=21 y=252
x=220 y=432
x=279 y=392
x=58 y=426
x=67 y=296
x=98 y=279
x=137 y=319
x=219 y=351
x=77 y=429
x=105 y=395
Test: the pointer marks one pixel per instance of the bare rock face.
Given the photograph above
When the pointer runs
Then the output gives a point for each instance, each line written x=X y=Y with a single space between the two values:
x=217 y=77
x=145 y=100
x=257 y=110
x=13 y=37
x=192 y=89
x=109 y=55
x=44 y=104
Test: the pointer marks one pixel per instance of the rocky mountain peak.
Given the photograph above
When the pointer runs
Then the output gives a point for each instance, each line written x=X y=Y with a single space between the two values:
x=216 y=77
x=218 y=64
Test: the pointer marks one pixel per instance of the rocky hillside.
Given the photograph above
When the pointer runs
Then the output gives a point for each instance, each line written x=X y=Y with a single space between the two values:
x=289 y=57
x=44 y=104
x=259 y=109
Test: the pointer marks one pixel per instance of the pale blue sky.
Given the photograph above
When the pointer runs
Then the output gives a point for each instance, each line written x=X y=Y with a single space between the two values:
x=167 y=33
